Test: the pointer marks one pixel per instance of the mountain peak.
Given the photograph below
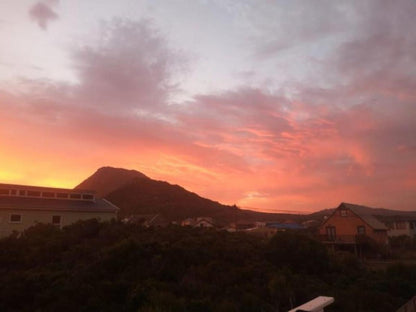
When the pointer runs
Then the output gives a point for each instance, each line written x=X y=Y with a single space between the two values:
x=114 y=170
x=136 y=194
x=107 y=179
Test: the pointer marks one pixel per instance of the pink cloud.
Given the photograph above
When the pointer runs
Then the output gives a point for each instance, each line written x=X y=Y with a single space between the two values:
x=42 y=13
x=350 y=142
x=129 y=69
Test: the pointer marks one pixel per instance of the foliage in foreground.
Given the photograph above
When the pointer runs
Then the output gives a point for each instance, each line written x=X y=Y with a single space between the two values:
x=92 y=266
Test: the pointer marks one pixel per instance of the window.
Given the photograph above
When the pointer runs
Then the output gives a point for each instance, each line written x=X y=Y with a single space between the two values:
x=343 y=213
x=33 y=193
x=4 y=192
x=22 y=192
x=62 y=195
x=361 y=230
x=75 y=196
x=48 y=194
x=13 y=192
x=15 y=218
x=401 y=225
x=87 y=196
x=331 y=233
x=56 y=220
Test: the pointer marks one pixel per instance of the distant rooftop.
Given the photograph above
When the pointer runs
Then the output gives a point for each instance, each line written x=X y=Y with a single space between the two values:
x=27 y=197
x=28 y=191
x=41 y=204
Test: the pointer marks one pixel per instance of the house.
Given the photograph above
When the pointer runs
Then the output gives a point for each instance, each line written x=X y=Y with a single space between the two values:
x=243 y=225
x=188 y=222
x=400 y=225
x=349 y=222
x=206 y=222
x=22 y=206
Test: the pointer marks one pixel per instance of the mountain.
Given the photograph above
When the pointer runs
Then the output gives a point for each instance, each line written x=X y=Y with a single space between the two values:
x=108 y=179
x=135 y=193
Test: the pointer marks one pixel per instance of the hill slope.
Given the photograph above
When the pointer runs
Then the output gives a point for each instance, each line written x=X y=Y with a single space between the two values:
x=135 y=193
x=144 y=196
x=107 y=179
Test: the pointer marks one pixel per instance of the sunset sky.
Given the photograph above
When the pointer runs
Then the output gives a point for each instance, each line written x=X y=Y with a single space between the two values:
x=270 y=105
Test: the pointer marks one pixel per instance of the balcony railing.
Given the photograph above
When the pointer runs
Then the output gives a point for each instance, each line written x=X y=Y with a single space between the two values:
x=343 y=239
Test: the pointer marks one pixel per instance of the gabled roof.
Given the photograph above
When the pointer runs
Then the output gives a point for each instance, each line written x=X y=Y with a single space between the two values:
x=361 y=212
x=43 y=188
x=195 y=222
x=204 y=219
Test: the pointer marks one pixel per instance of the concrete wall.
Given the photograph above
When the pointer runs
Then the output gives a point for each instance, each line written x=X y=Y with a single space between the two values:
x=31 y=217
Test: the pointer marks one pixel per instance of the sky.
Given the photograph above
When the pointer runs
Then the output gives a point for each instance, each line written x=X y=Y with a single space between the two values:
x=270 y=105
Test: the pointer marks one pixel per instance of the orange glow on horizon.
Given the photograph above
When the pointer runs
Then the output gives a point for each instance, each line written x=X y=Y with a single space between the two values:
x=230 y=127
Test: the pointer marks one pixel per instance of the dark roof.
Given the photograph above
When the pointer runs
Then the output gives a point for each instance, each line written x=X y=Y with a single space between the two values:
x=42 y=204
x=43 y=188
x=285 y=226
x=398 y=218
x=360 y=211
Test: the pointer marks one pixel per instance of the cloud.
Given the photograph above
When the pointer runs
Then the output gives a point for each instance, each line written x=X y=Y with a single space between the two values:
x=350 y=141
x=42 y=13
x=277 y=27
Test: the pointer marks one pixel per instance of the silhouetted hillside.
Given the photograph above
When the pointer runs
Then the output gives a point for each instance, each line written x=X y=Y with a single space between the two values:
x=135 y=193
x=107 y=179
x=143 y=196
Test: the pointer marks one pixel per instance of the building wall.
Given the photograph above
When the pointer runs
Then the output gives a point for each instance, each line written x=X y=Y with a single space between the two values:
x=345 y=225
x=402 y=228
x=380 y=237
x=31 y=217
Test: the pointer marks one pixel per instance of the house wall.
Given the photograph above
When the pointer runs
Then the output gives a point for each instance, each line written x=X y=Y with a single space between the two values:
x=31 y=217
x=346 y=227
x=380 y=237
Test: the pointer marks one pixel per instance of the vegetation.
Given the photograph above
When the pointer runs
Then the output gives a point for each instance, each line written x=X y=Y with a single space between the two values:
x=92 y=266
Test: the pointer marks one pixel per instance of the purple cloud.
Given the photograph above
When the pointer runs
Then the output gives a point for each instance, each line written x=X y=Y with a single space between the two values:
x=43 y=14
x=128 y=70
x=352 y=141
